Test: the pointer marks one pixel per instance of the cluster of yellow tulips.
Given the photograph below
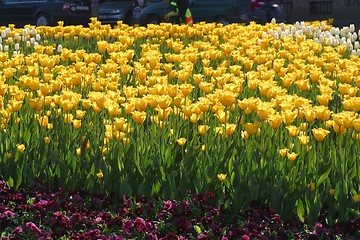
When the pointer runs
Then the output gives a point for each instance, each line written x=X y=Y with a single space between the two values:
x=233 y=82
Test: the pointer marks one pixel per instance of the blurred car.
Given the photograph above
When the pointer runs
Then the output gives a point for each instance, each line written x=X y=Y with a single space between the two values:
x=44 y=12
x=221 y=11
x=112 y=11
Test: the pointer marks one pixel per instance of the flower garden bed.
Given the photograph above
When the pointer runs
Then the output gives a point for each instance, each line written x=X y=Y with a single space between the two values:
x=43 y=212
x=233 y=128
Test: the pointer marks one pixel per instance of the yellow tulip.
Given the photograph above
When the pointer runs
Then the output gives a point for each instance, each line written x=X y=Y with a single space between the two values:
x=186 y=89
x=164 y=101
x=283 y=152
x=100 y=175
x=251 y=128
x=320 y=133
x=227 y=98
x=43 y=121
x=293 y=130
x=102 y=45
x=356 y=124
x=139 y=117
x=76 y=123
x=244 y=135
x=289 y=116
x=222 y=116
x=339 y=129
x=230 y=129
x=274 y=121
x=181 y=141
x=309 y=115
x=312 y=186
x=291 y=156
x=47 y=140
x=356 y=198
x=221 y=177
x=20 y=148
x=303 y=139
x=202 y=129
x=173 y=90
x=80 y=114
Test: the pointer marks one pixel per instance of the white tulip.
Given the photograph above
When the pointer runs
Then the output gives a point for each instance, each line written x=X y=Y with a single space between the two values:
x=16 y=47
x=38 y=37
x=28 y=44
x=3 y=34
x=17 y=36
x=356 y=45
x=330 y=41
x=333 y=30
x=354 y=36
x=33 y=31
x=6 y=48
x=282 y=25
x=323 y=26
x=276 y=36
x=352 y=28
x=59 y=48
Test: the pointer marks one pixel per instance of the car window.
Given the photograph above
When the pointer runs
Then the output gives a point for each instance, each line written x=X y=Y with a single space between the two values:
x=10 y=1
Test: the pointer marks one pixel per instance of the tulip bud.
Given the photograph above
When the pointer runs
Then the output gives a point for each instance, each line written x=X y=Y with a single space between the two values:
x=59 y=48
x=352 y=27
x=33 y=31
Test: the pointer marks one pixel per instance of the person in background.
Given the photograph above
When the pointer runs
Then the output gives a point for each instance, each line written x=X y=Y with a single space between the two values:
x=256 y=4
x=180 y=9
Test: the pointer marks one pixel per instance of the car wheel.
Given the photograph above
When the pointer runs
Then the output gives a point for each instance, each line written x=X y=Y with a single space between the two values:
x=222 y=20
x=152 y=19
x=42 y=20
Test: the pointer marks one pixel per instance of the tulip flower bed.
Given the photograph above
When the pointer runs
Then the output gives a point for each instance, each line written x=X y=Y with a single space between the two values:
x=265 y=113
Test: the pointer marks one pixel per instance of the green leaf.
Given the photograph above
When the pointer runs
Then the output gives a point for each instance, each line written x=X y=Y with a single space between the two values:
x=300 y=210
x=323 y=177
x=125 y=188
x=354 y=212
x=10 y=182
x=18 y=178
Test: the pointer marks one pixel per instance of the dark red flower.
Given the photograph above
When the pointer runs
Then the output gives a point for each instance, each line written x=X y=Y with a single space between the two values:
x=32 y=227
x=140 y=225
x=127 y=227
